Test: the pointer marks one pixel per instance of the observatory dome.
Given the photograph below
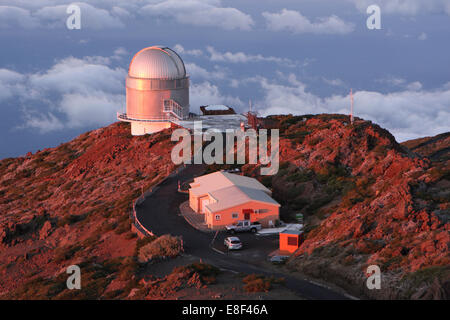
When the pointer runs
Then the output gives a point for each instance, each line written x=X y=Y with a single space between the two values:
x=157 y=63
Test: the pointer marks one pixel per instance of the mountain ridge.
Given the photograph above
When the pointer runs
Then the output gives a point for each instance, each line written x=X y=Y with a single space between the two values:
x=367 y=200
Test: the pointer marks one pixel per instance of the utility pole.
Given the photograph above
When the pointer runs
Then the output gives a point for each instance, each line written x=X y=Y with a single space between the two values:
x=351 y=106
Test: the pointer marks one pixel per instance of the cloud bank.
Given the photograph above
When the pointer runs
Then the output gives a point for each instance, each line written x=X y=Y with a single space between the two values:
x=209 y=13
x=406 y=7
x=295 y=22
x=407 y=114
x=102 y=14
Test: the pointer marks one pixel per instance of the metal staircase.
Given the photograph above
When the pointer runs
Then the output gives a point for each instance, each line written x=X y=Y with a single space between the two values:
x=172 y=108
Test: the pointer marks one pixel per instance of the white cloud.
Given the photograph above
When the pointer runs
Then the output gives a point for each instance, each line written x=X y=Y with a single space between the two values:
x=392 y=80
x=91 y=17
x=407 y=114
x=43 y=122
x=200 y=13
x=334 y=82
x=414 y=86
x=405 y=7
x=182 y=51
x=98 y=14
x=10 y=83
x=422 y=36
x=93 y=108
x=102 y=14
x=198 y=72
x=241 y=57
x=120 y=53
x=72 y=93
x=206 y=93
x=80 y=75
x=295 y=22
x=15 y=17
x=401 y=83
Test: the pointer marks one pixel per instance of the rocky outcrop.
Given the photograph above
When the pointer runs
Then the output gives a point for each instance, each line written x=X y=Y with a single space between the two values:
x=368 y=197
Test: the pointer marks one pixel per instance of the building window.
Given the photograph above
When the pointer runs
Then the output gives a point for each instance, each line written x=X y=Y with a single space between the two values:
x=217 y=217
x=292 y=241
x=235 y=215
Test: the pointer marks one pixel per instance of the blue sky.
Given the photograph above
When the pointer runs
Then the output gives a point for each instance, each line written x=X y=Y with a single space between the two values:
x=287 y=56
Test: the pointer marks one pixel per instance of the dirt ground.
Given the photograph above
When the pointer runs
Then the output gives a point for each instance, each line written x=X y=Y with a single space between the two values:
x=229 y=285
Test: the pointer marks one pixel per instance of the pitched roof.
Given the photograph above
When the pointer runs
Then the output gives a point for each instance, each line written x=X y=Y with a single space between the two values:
x=221 y=179
x=229 y=190
x=236 y=195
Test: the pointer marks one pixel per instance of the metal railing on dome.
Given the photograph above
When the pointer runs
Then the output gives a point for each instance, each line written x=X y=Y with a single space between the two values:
x=172 y=110
x=172 y=107
x=130 y=117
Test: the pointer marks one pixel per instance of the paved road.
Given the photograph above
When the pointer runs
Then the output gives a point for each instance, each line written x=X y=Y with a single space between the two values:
x=159 y=213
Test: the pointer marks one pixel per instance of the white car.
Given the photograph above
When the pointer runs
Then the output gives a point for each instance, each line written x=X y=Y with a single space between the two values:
x=233 y=243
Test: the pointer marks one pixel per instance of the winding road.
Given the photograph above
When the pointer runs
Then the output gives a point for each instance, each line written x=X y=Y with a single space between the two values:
x=159 y=213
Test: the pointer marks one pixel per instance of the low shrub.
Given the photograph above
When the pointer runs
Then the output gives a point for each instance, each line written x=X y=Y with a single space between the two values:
x=65 y=253
x=142 y=242
x=166 y=246
x=206 y=272
x=70 y=219
x=256 y=283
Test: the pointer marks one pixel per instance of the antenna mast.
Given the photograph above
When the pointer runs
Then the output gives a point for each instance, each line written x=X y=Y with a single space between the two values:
x=351 y=106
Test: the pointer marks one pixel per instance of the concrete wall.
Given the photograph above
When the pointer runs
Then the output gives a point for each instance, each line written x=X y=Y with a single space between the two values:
x=193 y=201
x=271 y=213
x=285 y=246
x=141 y=128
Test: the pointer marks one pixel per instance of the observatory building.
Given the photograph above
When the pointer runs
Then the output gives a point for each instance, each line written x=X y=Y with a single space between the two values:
x=157 y=90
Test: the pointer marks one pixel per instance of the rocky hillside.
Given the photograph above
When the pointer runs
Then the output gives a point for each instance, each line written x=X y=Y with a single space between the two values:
x=435 y=148
x=70 y=205
x=367 y=200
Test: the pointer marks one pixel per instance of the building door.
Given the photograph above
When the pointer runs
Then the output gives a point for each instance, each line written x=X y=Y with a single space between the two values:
x=247 y=213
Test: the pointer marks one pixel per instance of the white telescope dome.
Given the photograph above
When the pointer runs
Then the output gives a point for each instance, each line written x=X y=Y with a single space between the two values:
x=157 y=63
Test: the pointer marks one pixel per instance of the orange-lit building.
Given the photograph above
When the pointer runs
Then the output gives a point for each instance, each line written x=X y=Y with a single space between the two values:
x=290 y=240
x=225 y=198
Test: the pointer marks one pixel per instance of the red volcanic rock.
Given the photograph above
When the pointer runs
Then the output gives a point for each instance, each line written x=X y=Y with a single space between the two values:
x=45 y=231
x=71 y=204
x=389 y=203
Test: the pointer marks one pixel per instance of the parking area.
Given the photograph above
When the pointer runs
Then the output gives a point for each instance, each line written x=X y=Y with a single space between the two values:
x=160 y=213
x=256 y=249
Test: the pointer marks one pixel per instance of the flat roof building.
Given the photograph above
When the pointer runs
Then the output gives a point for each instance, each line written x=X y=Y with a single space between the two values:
x=290 y=240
